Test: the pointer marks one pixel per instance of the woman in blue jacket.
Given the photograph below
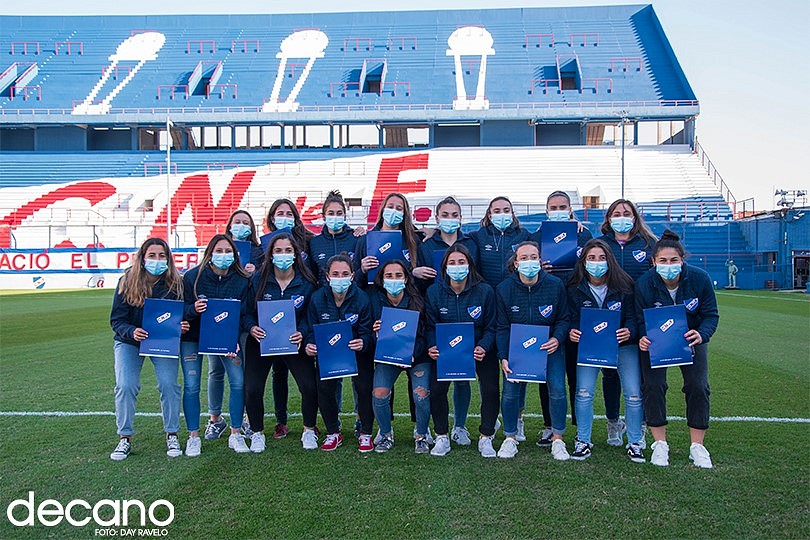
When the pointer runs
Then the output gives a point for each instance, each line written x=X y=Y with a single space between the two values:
x=461 y=296
x=152 y=275
x=499 y=235
x=241 y=227
x=394 y=287
x=335 y=237
x=600 y=283
x=342 y=300
x=631 y=242
x=284 y=276
x=219 y=275
x=533 y=296
x=675 y=282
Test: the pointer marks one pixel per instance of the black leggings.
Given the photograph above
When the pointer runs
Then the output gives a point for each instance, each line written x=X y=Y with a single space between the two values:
x=257 y=369
x=362 y=384
x=489 y=379
x=571 y=373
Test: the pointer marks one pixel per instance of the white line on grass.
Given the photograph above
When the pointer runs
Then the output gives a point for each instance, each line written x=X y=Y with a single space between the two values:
x=402 y=415
x=763 y=297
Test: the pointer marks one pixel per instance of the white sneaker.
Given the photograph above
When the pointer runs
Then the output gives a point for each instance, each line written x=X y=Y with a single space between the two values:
x=193 y=446
x=700 y=456
x=428 y=436
x=461 y=436
x=559 y=451
x=257 y=443
x=485 y=447
x=508 y=448
x=173 y=446
x=309 y=440
x=660 y=455
x=521 y=435
x=442 y=446
x=237 y=442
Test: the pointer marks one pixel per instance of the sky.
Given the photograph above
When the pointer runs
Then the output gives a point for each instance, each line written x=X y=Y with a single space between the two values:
x=747 y=62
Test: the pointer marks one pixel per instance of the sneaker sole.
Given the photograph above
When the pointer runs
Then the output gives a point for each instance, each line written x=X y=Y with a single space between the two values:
x=577 y=458
x=365 y=450
x=119 y=458
x=332 y=449
x=506 y=457
x=432 y=453
x=279 y=436
x=487 y=456
x=638 y=460
x=192 y=455
x=173 y=455
x=543 y=444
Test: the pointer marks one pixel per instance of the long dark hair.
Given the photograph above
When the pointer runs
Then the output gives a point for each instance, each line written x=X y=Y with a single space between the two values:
x=669 y=239
x=474 y=276
x=617 y=278
x=301 y=234
x=299 y=266
x=486 y=221
x=254 y=236
x=135 y=286
x=510 y=263
x=407 y=227
x=209 y=250
x=416 y=303
x=639 y=227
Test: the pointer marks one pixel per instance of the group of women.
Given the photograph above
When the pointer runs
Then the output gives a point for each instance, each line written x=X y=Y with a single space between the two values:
x=493 y=277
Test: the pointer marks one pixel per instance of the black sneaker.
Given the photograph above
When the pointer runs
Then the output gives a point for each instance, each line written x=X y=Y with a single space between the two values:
x=582 y=450
x=546 y=437
x=635 y=454
x=122 y=450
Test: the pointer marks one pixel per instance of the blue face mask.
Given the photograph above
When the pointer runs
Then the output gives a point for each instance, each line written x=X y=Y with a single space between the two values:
x=340 y=284
x=223 y=261
x=283 y=261
x=621 y=224
x=156 y=267
x=596 y=268
x=283 y=222
x=335 y=223
x=668 y=271
x=501 y=221
x=392 y=217
x=240 y=231
x=559 y=215
x=529 y=269
x=394 y=286
x=449 y=226
x=458 y=272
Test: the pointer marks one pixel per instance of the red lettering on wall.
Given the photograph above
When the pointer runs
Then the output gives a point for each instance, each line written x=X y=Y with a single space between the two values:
x=195 y=191
x=388 y=180
x=75 y=261
x=121 y=259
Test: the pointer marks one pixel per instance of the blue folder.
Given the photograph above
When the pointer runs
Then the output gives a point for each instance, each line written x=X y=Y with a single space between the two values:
x=161 y=320
x=559 y=243
x=277 y=319
x=438 y=258
x=244 y=251
x=335 y=358
x=665 y=329
x=455 y=342
x=219 y=326
x=598 y=346
x=265 y=239
x=385 y=245
x=526 y=360
x=397 y=337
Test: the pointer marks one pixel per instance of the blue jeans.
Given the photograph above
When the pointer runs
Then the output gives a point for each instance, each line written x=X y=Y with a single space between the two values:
x=217 y=364
x=461 y=403
x=385 y=375
x=555 y=380
x=191 y=362
x=629 y=373
x=128 y=364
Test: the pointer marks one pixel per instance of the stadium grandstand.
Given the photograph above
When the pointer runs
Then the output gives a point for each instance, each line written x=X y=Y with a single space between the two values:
x=114 y=128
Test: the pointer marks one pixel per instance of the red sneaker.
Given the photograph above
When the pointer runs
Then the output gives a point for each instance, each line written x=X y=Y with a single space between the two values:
x=281 y=431
x=333 y=440
x=364 y=443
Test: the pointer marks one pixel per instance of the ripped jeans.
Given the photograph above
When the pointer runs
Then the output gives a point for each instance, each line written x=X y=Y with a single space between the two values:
x=629 y=372
x=191 y=363
x=385 y=375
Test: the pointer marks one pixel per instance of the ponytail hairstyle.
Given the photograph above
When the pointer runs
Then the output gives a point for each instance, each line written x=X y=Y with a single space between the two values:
x=639 y=227
x=407 y=227
x=486 y=221
x=474 y=276
x=135 y=286
x=254 y=236
x=209 y=251
x=301 y=234
x=299 y=266
x=565 y=196
x=416 y=303
x=333 y=196
x=669 y=239
x=616 y=278
x=510 y=263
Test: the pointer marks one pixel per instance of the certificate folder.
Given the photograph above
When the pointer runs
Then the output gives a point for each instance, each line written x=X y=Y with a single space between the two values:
x=385 y=245
x=397 y=337
x=244 y=251
x=335 y=358
x=219 y=326
x=665 y=329
x=277 y=319
x=526 y=360
x=559 y=243
x=455 y=342
x=161 y=320
x=597 y=344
